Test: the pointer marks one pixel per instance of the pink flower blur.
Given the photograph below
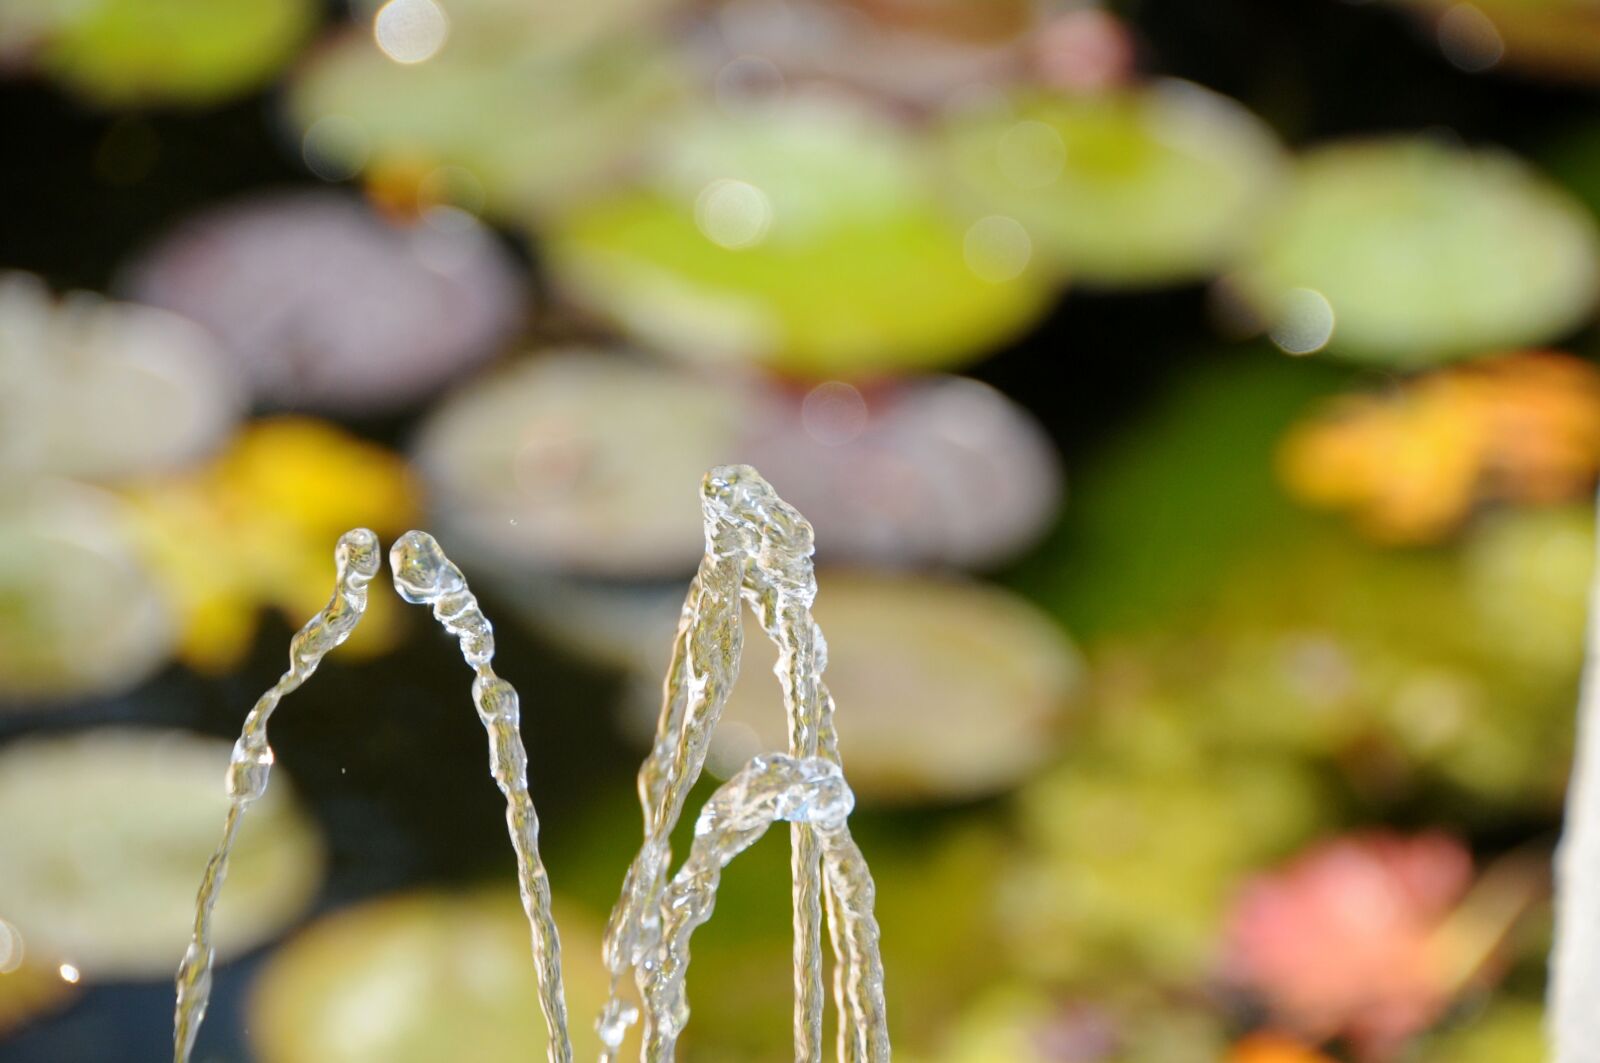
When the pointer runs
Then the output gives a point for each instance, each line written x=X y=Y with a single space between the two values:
x=1341 y=941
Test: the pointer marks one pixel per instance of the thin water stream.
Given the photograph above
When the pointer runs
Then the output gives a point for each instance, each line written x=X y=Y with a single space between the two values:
x=758 y=551
x=356 y=561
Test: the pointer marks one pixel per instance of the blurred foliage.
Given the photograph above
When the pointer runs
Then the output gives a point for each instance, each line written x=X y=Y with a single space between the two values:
x=1510 y=1032
x=1195 y=514
x=1411 y=462
x=133 y=52
x=747 y=231
x=418 y=978
x=409 y=126
x=1152 y=185
x=955 y=690
x=79 y=614
x=139 y=810
x=806 y=235
x=253 y=528
x=1425 y=251
x=99 y=390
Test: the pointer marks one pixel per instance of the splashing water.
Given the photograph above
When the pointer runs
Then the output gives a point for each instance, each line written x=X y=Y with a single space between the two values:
x=356 y=561
x=758 y=550
x=810 y=792
x=423 y=575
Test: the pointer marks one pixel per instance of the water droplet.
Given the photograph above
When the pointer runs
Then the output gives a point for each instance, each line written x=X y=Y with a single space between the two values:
x=249 y=771
x=733 y=214
x=1305 y=322
x=410 y=31
x=421 y=571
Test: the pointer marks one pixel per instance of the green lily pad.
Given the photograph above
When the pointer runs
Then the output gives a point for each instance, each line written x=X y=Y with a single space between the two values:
x=805 y=236
x=530 y=124
x=1511 y=1031
x=108 y=832
x=1425 y=252
x=134 y=52
x=421 y=978
x=79 y=612
x=1150 y=185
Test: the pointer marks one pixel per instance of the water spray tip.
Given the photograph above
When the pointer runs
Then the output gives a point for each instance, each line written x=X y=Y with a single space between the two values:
x=421 y=570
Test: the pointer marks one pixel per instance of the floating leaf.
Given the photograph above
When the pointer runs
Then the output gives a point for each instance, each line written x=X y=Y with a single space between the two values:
x=913 y=54
x=136 y=52
x=1418 y=252
x=80 y=613
x=1149 y=185
x=326 y=305
x=576 y=460
x=418 y=978
x=523 y=115
x=99 y=390
x=806 y=237
x=107 y=830
x=948 y=690
x=938 y=470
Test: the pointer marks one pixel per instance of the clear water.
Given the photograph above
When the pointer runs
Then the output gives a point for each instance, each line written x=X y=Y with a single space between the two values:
x=758 y=552
x=356 y=561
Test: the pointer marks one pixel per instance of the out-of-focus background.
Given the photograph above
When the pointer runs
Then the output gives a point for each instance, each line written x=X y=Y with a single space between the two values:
x=1196 y=404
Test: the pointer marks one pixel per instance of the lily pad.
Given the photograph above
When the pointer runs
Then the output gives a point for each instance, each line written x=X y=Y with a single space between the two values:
x=420 y=978
x=805 y=236
x=108 y=833
x=136 y=52
x=1149 y=185
x=1422 y=252
x=577 y=460
x=79 y=612
x=101 y=390
x=946 y=690
x=327 y=305
x=940 y=470
x=532 y=122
